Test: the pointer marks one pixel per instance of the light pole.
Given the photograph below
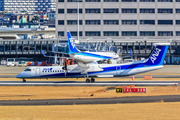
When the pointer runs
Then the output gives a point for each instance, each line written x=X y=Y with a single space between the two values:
x=78 y=20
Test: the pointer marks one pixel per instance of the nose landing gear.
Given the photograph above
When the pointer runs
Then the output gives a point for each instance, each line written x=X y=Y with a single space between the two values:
x=24 y=80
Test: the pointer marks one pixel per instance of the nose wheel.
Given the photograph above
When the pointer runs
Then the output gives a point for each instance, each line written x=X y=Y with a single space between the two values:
x=88 y=80
x=24 y=80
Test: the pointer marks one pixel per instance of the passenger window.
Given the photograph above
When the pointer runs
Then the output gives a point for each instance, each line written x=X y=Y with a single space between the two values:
x=48 y=71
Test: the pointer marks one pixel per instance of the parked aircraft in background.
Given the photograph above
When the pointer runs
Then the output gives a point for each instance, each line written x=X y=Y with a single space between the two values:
x=155 y=61
x=85 y=57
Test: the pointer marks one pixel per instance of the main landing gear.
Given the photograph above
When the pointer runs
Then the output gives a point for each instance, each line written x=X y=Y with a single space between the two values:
x=88 y=80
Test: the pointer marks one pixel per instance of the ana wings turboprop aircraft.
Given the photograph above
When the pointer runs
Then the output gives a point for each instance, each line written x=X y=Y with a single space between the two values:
x=155 y=61
x=85 y=57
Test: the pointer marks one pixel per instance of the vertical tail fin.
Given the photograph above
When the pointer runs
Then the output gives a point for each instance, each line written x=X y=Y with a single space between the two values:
x=72 y=47
x=158 y=54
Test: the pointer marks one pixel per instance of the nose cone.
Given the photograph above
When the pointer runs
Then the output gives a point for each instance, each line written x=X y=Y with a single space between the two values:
x=19 y=75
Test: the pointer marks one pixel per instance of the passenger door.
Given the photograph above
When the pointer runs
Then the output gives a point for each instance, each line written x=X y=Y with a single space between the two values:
x=118 y=70
x=37 y=72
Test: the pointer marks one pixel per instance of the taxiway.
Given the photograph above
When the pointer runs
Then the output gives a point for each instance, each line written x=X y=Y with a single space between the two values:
x=82 y=83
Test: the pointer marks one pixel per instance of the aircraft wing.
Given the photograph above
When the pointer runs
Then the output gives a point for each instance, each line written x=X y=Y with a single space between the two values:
x=52 y=56
x=84 y=68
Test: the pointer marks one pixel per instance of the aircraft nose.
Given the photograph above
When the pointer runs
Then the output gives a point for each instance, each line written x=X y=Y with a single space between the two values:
x=19 y=75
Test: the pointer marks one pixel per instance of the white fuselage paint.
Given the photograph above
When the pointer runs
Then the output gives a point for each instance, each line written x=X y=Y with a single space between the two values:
x=74 y=71
x=89 y=57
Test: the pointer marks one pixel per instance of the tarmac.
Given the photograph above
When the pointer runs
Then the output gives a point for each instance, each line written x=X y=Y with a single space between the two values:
x=121 y=100
x=169 y=71
x=82 y=83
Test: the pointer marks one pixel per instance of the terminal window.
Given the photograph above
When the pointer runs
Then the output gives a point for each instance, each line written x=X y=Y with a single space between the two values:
x=147 y=33
x=74 y=0
x=74 y=33
x=129 y=22
x=177 y=10
x=111 y=22
x=60 y=33
x=165 y=0
x=129 y=0
x=74 y=22
x=147 y=22
x=60 y=22
x=147 y=0
x=165 y=22
x=111 y=0
x=147 y=10
x=177 y=22
x=60 y=10
x=111 y=10
x=129 y=10
x=93 y=0
x=60 y=0
x=129 y=33
x=177 y=33
x=165 y=10
x=111 y=33
x=93 y=11
x=73 y=10
x=93 y=22
x=165 y=33
x=93 y=33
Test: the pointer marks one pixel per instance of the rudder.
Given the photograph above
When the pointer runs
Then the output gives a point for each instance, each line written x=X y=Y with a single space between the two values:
x=158 y=54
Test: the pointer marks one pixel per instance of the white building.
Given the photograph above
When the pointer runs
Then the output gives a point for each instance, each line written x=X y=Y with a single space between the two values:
x=27 y=5
x=119 y=19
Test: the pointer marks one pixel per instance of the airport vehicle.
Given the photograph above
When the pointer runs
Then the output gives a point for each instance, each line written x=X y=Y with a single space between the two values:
x=153 y=62
x=85 y=57
x=22 y=61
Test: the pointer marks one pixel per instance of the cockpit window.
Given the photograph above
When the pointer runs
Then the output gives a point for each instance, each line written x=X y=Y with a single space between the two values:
x=27 y=69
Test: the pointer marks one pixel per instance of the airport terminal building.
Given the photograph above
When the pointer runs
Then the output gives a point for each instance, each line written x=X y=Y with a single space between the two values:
x=119 y=19
x=32 y=48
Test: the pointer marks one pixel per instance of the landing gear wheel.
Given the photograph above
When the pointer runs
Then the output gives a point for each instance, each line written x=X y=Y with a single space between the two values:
x=92 y=80
x=24 y=80
x=87 y=80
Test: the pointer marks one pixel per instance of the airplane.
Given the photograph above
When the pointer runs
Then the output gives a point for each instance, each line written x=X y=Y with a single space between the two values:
x=85 y=57
x=153 y=62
